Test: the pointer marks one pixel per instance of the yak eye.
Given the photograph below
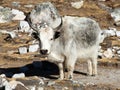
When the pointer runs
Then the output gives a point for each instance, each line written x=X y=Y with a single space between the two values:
x=51 y=39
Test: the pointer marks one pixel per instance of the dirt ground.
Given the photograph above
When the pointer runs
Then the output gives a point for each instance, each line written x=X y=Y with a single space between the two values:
x=108 y=71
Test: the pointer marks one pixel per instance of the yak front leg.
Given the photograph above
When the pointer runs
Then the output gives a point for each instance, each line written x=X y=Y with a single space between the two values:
x=61 y=72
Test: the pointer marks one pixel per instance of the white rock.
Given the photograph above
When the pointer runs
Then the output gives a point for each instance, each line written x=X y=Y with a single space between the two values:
x=22 y=50
x=13 y=34
x=16 y=12
x=78 y=4
x=1 y=7
x=108 y=54
x=33 y=48
x=50 y=83
x=12 y=85
x=40 y=88
x=118 y=52
x=108 y=33
x=116 y=47
x=2 y=75
x=29 y=6
x=19 y=15
x=118 y=33
x=117 y=23
x=102 y=0
x=24 y=26
x=3 y=80
x=20 y=75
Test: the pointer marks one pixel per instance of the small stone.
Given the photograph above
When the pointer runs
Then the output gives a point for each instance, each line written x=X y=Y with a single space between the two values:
x=102 y=0
x=40 y=88
x=116 y=47
x=1 y=7
x=22 y=50
x=50 y=83
x=118 y=33
x=29 y=6
x=118 y=52
x=117 y=23
x=13 y=34
x=33 y=48
x=78 y=4
x=20 y=75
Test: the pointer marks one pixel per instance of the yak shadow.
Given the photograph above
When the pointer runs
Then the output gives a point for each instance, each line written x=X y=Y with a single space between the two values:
x=46 y=69
x=37 y=68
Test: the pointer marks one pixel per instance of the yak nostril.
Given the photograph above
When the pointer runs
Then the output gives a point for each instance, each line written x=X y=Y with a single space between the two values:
x=43 y=52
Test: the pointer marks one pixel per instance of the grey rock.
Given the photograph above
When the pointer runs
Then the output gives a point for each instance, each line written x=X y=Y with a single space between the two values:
x=116 y=14
x=13 y=84
x=16 y=4
x=32 y=82
x=5 y=15
x=103 y=6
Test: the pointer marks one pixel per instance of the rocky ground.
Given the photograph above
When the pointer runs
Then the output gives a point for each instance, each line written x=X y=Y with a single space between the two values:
x=22 y=68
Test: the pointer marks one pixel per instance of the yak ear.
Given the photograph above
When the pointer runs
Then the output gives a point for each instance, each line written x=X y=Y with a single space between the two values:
x=56 y=35
x=35 y=35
